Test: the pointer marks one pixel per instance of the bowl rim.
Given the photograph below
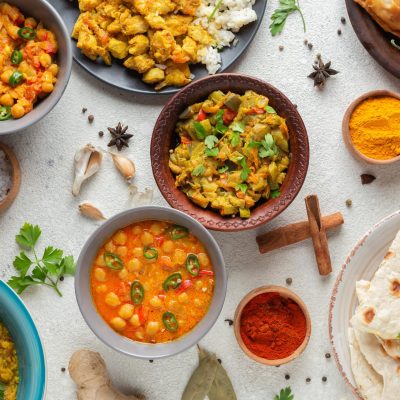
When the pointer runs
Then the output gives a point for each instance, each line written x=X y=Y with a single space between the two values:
x=226 y=224
x=346 y=126
x=284 y=292
x=190 y=338
x=16 y=299
x=20 y=128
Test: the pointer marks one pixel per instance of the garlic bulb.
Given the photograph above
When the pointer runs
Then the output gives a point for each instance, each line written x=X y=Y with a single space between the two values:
x=87 y=163
x=125 y=166
x=90 y=210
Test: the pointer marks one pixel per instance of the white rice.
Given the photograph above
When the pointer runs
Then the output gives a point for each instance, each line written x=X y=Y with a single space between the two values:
x=230 y=17
x=5 y=175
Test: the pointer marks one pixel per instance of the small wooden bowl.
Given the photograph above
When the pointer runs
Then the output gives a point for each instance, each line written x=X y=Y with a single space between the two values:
x=164 y=137
x=284 y=293
x=346 y=126
x=16 y=178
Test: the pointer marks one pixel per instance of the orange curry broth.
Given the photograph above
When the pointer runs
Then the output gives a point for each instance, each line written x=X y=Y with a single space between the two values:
x=111 y=288
x=37 y=65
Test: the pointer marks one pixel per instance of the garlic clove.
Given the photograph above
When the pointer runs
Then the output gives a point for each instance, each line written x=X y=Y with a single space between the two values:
x=125 y=166
x=91 y=211
x=87 y=162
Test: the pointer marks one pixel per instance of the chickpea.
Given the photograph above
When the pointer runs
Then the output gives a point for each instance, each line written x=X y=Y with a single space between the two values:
x=135 y=321
x=183 y=298
x=47 y=87
x=110 y=246
x=122 y=251
x=204 y=260
x=101 y=289
x=112 y=299
x=17 y=111
x=118 y=323
x=5 y=76
x=30 y=22
x=156 y=229
x=156 y=302
x=120 y=238
x=123 y=274
x=179 y=257
x=134 y=265
x=47 y=77
x=139 y=334
x=152 y=328
x=147 y=238
x=166 y=261
x=100 y=261
x=168 y=246
x=197 y=302
x=6 y=100
x=199 y=285
x=45 y=60
x=100 y=274
x=53 y=69
x=181 y=322
x=136 y=230
x=126 y=311
x=137 y=251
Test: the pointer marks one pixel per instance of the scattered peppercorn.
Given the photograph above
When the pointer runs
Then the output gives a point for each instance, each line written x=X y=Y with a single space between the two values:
x=84 y=109
x=289 y=281
x=328 y=355
x=90 y=118
x=63 y=369
x=229 y=321
x=343 y=20
x=324 y=379
x=295 y=105
x=366 y=179
x=310 y=46
x=151 y=361
x=287 y=377
x=305 y=42
x=61 y=278
x=339 y=32
x=281 y=48
x=101 y=133
x=308 y=380
x=349 y=202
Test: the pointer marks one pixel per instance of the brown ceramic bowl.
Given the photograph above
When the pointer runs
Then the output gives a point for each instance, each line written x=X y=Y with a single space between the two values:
x=15 y=181
x=286 y=293
x=164 y=138
x=346 y=127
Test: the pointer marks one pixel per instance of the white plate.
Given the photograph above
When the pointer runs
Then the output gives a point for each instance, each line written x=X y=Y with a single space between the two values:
x=362 y=263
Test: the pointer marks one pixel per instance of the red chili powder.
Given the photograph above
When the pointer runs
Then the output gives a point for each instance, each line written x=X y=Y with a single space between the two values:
x=272 y=327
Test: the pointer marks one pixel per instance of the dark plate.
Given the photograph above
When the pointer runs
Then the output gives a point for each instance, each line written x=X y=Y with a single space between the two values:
x=375 y=40
x=119 y=76
x=164 y=139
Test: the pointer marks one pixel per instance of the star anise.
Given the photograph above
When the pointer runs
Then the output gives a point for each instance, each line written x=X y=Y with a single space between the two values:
x=321 y=72
x=119 y=136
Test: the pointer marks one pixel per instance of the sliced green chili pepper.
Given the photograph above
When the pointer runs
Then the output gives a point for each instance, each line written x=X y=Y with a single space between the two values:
x=173 y=281
x=150 y=253
x=137 y=292
x=16 y=57
x=5 y=113
x=193 y=264
x=27 y=33
x=170 y=322
x=15 y=79
x=113 y=261
x=178 y=232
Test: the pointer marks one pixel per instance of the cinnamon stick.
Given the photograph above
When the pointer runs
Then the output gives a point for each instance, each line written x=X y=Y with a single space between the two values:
x=318 y=235
x=294 y=233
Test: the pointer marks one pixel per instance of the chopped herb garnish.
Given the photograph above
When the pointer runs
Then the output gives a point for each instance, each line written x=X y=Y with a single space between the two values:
x=274 y=194
x=238 y=127
x=245 y=171
x=220 y=127
x=242 y=187
x=285 y=394
x=211 y=152
x=278 y=18
x=200 y=130
x=199 y=170
x=223 y=169
x=217 y=5
x=235 y=138
x=268 y=147
x=210 y=141
x=270 y=110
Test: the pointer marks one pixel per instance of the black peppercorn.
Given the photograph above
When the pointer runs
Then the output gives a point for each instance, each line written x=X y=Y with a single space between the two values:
x=61 y=278
x=84 y=109
x=310 y=46
x=339 y=32
x=289 y=281
x=328 y=355
x=287 y=377
x=308 y=380
x=343 y=20
x=151 y=361
x=101 y=133
x=62 y=369
x=90 y=118
x=324 y=379
x=280 y=48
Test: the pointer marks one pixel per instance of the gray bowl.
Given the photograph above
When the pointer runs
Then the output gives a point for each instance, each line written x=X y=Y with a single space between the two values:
x=95 y=321
x=41 y=10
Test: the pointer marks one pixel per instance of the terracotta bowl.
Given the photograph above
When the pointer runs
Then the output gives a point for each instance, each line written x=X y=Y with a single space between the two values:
x=164 y=138
x=346 y=127
x=16 y=178
x=286 y=293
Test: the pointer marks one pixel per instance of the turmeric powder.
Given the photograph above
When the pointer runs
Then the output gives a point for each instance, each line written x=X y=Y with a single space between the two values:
x=375 y=127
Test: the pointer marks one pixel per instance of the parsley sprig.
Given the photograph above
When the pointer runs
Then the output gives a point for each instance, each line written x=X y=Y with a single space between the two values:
x=279 y=16
x=47 y=270
x=285 y=394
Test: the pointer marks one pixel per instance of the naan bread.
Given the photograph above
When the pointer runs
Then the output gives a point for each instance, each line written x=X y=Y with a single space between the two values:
x=388 y=368
x=385 y=12
x=379 y=310
x=369 y=383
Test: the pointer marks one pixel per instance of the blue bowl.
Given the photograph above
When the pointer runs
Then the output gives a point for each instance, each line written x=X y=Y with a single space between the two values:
x=32 y=368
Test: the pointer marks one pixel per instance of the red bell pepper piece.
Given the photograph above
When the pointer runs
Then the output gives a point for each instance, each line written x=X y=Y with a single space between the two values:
x=205 y=272
x=186 y=284
x=228 y=116
x=185 y=140
x=255 y=110
x=201 y=116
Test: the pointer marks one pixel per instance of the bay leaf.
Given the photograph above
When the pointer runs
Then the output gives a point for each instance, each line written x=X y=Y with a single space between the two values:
x=221 y=388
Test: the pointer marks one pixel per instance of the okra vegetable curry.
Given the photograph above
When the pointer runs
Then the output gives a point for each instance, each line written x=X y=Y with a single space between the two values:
x=152 y=281
x=233 y=152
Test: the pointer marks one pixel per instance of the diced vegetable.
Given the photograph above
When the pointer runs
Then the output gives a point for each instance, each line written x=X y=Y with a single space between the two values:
x=113 y=261
x=137 y=292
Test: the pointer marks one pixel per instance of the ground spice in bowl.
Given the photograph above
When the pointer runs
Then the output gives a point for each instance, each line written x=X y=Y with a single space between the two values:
x=5 y=175
x=272 y=327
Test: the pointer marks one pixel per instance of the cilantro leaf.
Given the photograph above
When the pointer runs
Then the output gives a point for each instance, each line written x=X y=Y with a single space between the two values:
x=210 y=141
x=235 y=138
x=285 y=394
x=274 y=194
x=270 y=110
x=199 y=170
x=238 y=127
x=279 y=16
x=211 y=152
x=68 y=266
x=39 y=273
x=28 y=235
x=22 y=263
x=223 y=169
x=220 y=127
x=51 y=259
x=19 y=283
x=269 y=148
x=245 y=169
x=200 y=130
x=242 y=187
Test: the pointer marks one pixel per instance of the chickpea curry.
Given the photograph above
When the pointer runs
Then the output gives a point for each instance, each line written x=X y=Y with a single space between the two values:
x=233 y=152
x=27 y=67
x=152 y=281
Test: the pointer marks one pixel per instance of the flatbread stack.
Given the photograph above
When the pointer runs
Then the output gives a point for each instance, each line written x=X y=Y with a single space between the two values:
x=385 y=12
x=374 y=335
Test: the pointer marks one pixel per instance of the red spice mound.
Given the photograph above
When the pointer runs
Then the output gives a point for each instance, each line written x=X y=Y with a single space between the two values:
x=272 y=327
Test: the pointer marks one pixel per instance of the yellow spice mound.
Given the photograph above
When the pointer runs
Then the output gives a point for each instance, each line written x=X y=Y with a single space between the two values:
x=375 y=127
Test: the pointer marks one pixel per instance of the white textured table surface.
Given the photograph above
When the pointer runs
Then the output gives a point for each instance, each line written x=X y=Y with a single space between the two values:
x=46 y=152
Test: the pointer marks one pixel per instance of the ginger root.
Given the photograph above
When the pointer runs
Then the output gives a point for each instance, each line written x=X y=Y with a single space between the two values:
x=89 y=371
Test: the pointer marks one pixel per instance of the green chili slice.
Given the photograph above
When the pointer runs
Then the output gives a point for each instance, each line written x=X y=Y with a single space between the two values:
x=16 y=57
x=15 y=79
x=170 y=322
x=5 y=113
x=173 y=281
x=113 y=261
x=27 y=33
x=150 y=253
x=178 y=232
x=193 y=264
x=137 y=292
